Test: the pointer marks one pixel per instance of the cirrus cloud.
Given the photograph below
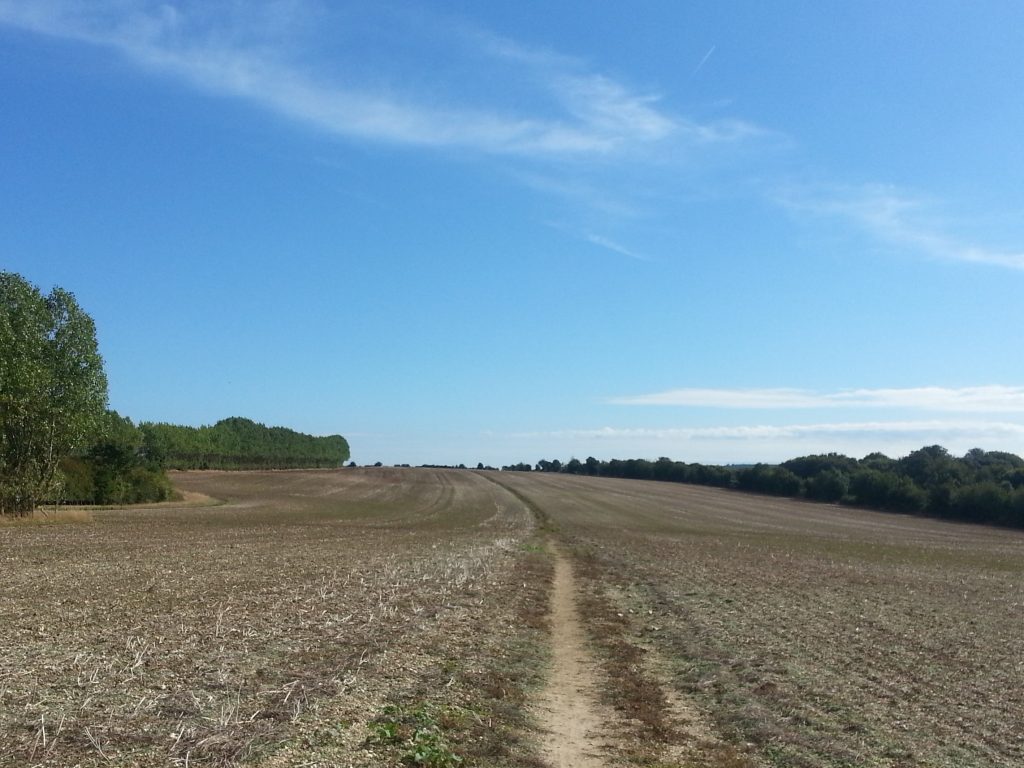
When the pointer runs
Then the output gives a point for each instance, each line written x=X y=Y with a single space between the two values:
x=920 y=430
x=246 y=52
x=897 y=218
x=989 y=399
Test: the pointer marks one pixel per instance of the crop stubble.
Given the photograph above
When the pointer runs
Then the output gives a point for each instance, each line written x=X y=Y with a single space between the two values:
x=734 y=630
x=808 y=635
x=274 y=628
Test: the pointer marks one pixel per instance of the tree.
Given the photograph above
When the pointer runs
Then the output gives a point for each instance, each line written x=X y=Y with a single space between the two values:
x=807 y=467
x=774 y=480
x=53 y=391
x=113 y=457
x=931 y=465
x=830 y=484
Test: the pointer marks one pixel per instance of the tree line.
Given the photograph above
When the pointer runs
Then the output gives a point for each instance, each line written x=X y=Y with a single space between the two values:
x=126 y=464
x=60 y=443
x=981 y=486
x=239 y=443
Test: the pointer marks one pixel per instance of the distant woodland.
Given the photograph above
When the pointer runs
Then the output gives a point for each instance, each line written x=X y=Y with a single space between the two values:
x=980 y=487
x=126 y=464
x=238 y=443
x=60 y=443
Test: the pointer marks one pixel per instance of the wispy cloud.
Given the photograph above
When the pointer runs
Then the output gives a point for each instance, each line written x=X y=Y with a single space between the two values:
x=769 y=442
x=988 y=399
x=590 y=113
x=611 y=245
x=923 y=430
x=703 y=61
x=897 y=218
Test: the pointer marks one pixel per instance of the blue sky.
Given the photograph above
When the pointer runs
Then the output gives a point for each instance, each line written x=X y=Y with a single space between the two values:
x=461 y=232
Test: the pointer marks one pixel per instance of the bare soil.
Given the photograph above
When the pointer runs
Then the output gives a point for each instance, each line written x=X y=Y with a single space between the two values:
x=802 y=634
x=338 y=618
x=275 y=628
x=568 y=709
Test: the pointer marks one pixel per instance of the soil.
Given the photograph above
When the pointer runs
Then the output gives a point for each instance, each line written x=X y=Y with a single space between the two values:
x=575 y=724
x=277 y=627
x=326 y=618
x=803 y=634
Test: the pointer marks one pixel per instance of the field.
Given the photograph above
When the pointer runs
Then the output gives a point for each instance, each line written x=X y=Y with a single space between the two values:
x=408 y=616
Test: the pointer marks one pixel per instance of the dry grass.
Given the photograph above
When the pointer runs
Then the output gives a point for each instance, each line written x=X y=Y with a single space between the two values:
x=273 y=628
x=49 y=516
x=808 y=635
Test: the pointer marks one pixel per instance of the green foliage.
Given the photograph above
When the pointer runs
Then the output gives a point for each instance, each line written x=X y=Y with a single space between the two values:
x=520 y=467
x=807 y=467
x=112 y=456
x=763 y=478
x=238 y=443
x=53 y=390
x=77 y=486
x=987 y=502
x=113 y=470
x=419 y=735
x=931 y=466
x=829 y=484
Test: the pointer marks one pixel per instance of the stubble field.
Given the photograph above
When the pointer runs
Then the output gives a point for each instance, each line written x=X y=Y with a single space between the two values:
x=400 y=617
x=807 y=634
x=273 y=629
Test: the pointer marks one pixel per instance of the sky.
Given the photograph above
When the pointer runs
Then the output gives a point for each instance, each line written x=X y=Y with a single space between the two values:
x=461 y=232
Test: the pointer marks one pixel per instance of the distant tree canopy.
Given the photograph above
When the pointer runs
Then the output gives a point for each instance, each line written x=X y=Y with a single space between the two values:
x=53 y=390
x=238 y=443
x=982 y=486
x=114 y=469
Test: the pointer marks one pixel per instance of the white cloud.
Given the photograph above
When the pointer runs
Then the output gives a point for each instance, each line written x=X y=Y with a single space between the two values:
x=613 y=246
x=989 y=399
x=723 y=398
x=236 y=53
x=921 y=430
x=767 y=442
x=899 y=219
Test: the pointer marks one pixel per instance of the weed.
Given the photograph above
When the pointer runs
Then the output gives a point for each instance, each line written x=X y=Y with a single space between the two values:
x=418 y=733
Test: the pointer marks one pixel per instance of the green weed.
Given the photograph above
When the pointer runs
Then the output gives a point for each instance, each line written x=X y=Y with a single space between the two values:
x=417 y=733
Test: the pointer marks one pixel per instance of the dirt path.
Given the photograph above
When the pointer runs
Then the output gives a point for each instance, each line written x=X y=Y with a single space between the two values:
x=569 y=710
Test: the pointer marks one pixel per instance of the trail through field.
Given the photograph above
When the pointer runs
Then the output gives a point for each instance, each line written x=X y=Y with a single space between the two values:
x=569 y=703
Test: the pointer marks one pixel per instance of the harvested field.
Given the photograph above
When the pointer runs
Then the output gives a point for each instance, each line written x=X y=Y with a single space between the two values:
x=802 y=634
x=275 y=628
x=368 y=617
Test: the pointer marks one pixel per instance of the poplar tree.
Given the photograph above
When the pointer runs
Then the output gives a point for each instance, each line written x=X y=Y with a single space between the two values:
x=53 y=391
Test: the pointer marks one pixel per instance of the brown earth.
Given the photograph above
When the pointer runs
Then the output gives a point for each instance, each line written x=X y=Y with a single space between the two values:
x=575 y=724
x=277 y=627
x=803 y=634
x=355 y=617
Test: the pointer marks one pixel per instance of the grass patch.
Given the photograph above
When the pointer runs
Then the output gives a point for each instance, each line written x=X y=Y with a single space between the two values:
x=50 y=516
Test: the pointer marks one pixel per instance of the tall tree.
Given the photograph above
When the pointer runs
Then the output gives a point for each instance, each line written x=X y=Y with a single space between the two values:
x=53 y=391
